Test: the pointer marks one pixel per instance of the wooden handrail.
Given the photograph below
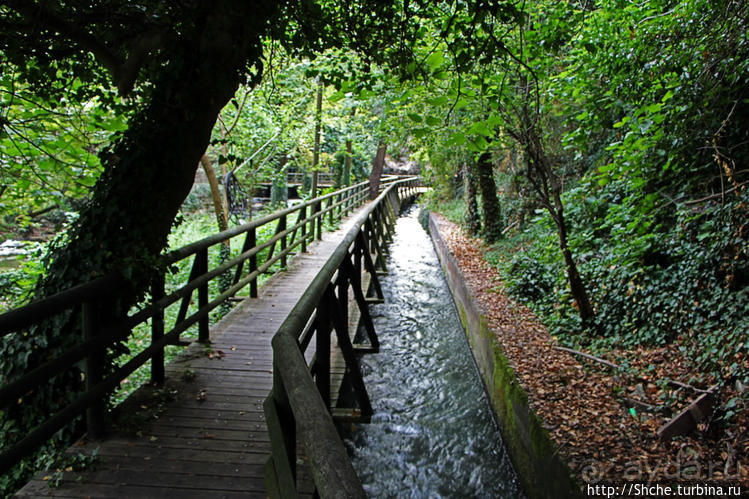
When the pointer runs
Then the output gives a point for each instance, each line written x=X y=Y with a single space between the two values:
x=192 y=248
x=28 y=315
x=295 y=407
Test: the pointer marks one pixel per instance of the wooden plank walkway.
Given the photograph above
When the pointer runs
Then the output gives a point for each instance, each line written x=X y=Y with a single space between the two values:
x=203 y=434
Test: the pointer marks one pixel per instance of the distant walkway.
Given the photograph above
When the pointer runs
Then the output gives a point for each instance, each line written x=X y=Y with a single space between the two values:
x=203 y=435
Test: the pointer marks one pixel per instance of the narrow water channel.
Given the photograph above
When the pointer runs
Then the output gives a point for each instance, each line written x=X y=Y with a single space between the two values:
x=432 y=433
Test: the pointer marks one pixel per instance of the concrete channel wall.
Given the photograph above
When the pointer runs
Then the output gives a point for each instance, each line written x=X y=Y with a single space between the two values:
x=540 y=469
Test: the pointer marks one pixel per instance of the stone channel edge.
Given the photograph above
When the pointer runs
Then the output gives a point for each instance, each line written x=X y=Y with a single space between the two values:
x=541 y=470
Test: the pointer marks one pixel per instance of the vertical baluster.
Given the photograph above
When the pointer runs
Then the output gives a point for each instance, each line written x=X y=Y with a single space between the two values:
x=318 y=209
x=322 y=355
x=343 y=283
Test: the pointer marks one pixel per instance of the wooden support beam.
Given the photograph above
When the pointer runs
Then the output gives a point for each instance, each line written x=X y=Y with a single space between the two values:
x=347 y=349
x=380 y=259
x=201 y=260
x=369 y=266
x=323 y=328
x=365 y=317
x=686 y=421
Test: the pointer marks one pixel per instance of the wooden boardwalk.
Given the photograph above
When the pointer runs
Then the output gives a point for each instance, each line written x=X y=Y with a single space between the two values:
x=203 y=434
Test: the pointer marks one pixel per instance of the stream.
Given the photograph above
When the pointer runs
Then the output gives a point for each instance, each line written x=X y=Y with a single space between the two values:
x=432 y=433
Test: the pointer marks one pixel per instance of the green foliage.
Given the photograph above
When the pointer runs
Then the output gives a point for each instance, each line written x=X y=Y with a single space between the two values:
x=453 y=209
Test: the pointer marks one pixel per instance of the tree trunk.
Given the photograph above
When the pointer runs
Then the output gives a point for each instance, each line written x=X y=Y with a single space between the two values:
x=318 y=129
x=472 y=220
x=547 y=184
x=377 y=165
x=222 y=220
x=489 y=199
x=346 y=177
x=577 y=287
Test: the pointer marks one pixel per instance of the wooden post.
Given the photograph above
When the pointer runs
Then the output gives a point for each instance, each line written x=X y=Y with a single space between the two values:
x=282 y=431
x=281 y=228
x=318 y=209
x=370 y=267
x=157 y=331
x=376 y=247
x=362 y=303
x=322 y=356
x=202 y=268
x=252 y=242
x=93 y=368
x=347 y=349
x=185 y=304
x=304 y=229
x=358 y=249
x=286 y=418
x=342 y=284
x=245 y=247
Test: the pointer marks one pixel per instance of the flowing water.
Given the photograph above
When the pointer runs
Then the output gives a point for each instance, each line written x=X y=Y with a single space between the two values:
x=432 y=433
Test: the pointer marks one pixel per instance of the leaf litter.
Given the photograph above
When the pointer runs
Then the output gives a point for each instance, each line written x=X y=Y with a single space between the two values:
x=604 y=421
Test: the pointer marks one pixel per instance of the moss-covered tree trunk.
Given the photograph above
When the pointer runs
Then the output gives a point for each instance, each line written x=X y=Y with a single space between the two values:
x=472 y=219
x=489 y=200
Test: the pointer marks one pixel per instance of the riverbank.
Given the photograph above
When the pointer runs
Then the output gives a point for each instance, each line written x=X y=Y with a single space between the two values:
x=603 y=422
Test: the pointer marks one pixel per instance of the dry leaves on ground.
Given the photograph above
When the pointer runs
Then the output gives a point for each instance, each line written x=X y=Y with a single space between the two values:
x=603 y=422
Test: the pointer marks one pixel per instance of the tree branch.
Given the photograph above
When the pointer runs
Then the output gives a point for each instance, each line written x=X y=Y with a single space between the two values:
x=124 y=72
x=42 y=15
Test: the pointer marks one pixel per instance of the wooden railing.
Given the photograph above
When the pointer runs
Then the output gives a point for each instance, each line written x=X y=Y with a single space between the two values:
x=99 y=330
x=298 y=410
x=323 y=178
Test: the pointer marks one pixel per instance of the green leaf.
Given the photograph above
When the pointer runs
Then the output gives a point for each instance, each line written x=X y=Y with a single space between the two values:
x=435 y=60
x=433 y=121
x=621 y=123
x=438 y=101
x=420 y=132
x=415 y=117
x=456 y=139
x=480 y=128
